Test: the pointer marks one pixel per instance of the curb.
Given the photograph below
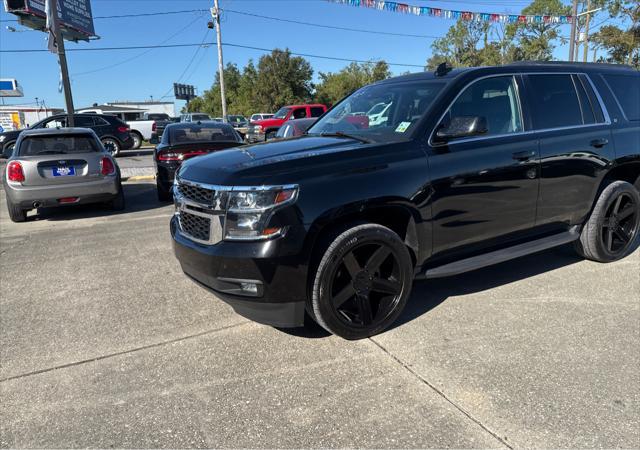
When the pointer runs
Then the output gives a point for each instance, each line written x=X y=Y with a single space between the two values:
x=139 y=178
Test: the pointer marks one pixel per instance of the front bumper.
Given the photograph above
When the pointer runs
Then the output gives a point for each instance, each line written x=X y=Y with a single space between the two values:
x=47 y=196
x=255 y=137
x=280 y=297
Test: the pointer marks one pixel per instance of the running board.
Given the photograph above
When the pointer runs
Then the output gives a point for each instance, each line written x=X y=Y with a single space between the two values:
x=489 y=259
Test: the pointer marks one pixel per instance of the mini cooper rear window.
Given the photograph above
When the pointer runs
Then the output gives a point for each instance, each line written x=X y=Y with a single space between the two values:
x=58 y=145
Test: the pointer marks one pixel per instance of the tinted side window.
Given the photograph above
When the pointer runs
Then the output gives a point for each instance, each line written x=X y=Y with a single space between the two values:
x=587 y=110
x=626 y=88
x=83 y=121
x=495 y=99
x=554 y=102
x=316 y=111
x=299 y=113
x=99 y=121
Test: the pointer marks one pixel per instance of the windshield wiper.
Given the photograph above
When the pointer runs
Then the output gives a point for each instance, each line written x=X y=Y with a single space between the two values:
x=345 y=135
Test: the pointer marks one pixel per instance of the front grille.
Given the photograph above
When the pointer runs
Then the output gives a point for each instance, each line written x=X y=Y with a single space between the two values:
x=197 y=194
x=197 y=227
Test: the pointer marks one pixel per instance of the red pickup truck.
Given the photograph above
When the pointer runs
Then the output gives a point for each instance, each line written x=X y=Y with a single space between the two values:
x=261 y=130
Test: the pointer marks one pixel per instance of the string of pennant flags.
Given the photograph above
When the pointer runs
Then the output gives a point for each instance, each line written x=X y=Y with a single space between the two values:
x=469 y=16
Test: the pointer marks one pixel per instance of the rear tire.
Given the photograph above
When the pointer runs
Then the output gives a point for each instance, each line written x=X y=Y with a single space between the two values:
x=118 y=202
x=112 y=146
x=16 y=214
x=137 y=140
x=612 y=230
x=362 y=283
x=163 y=194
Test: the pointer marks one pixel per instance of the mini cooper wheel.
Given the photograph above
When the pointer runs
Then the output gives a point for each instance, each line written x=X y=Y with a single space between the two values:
x=16 y=214
x=612 y=231
x=362 y=283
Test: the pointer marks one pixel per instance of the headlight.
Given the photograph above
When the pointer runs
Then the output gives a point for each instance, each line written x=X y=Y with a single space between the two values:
x=257 y=128
x=249 y=211
x=2 y=138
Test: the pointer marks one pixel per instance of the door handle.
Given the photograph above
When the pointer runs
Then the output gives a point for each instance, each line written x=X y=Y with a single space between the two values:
x=524 y=156
x=599 y=143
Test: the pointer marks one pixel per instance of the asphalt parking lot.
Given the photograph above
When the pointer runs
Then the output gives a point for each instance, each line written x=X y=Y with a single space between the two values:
x=105 y=343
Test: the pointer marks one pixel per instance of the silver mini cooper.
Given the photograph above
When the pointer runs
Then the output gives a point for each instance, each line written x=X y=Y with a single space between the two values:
x=57 y=167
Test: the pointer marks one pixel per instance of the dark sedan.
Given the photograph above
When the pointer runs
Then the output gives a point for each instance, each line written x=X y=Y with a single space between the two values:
x=184 y=140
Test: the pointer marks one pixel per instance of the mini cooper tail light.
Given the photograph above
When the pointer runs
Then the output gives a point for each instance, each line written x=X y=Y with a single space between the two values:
x=107 y=167
x=15 y=172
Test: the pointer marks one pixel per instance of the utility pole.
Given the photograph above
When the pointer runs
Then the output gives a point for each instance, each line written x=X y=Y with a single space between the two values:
x=586 y=33
x=62 y=59
x=215 y=15
x=574 y=25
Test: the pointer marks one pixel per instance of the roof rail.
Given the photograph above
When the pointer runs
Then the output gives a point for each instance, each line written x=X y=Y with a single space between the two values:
x=569 y=63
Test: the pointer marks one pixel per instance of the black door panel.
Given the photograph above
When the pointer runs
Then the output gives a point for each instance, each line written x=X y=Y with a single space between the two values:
x=481 y=192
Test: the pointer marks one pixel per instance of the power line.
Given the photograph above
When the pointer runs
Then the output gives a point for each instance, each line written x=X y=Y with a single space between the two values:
x=228 y=44
x=138 y=55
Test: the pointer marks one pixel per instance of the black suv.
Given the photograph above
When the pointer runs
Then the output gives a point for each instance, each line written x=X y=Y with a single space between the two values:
x=456 y=170
x=113 y=133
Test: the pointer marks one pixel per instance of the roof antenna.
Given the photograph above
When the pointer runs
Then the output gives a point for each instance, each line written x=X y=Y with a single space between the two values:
x=443 y=69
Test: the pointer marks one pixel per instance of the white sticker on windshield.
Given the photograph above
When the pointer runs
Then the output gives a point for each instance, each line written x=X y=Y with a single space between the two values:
x=402 y=127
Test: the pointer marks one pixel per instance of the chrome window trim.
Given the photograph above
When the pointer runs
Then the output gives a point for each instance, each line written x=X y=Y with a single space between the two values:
x=605 y=113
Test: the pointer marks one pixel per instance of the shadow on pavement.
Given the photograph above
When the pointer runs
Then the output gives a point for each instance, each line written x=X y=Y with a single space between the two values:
x=138 y=197
x=427 y=294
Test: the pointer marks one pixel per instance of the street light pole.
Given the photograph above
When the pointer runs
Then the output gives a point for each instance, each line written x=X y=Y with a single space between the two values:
x=215 y=14
x=586 y=34
x=574 y=25
x=62 y=59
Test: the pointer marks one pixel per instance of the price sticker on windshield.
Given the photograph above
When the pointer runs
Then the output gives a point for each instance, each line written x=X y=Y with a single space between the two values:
x=402 y=127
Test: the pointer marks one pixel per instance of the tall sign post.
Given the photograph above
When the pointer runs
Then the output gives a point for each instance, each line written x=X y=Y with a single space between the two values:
x=52 y=15
x=574 y=25
x=215 y=14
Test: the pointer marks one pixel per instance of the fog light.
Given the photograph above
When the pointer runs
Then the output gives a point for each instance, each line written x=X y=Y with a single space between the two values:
x=249 y=288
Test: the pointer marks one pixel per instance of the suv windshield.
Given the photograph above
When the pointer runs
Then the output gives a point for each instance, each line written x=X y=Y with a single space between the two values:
x=380 y=113
x=58 y=145
x=282 y=113
x=213 y=132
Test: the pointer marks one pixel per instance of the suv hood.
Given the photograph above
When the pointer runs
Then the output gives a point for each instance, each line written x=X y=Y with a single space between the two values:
x=252 y=165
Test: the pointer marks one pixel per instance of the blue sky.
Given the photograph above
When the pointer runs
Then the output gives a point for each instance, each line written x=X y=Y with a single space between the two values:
x=139 y=74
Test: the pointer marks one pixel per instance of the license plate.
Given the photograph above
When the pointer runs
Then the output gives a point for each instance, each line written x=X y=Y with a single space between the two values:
x=64 y=171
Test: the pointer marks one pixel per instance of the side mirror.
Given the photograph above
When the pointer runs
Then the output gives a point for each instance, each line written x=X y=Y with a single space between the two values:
x=461 y=127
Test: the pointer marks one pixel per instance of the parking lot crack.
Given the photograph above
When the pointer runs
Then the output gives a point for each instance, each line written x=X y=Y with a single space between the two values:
x=121 y=353
x=440 y=393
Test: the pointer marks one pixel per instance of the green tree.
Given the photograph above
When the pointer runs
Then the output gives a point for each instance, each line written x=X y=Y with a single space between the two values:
x=334 y=86
x=210 y=101
x=282 y=79
x=536 y=41
x=622 y=46
x=460 y=47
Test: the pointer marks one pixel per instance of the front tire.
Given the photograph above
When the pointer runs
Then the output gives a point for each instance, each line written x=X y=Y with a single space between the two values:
x=16 y=214
x=362 y=283
x=612 y=230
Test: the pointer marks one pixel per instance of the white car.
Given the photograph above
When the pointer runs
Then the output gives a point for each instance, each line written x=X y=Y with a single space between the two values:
x=378 y=113
x=260 y=116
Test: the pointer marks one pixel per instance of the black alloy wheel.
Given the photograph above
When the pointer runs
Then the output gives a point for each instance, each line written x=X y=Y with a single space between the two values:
x=363 y=282
x=620 y=225
x=612 y=230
